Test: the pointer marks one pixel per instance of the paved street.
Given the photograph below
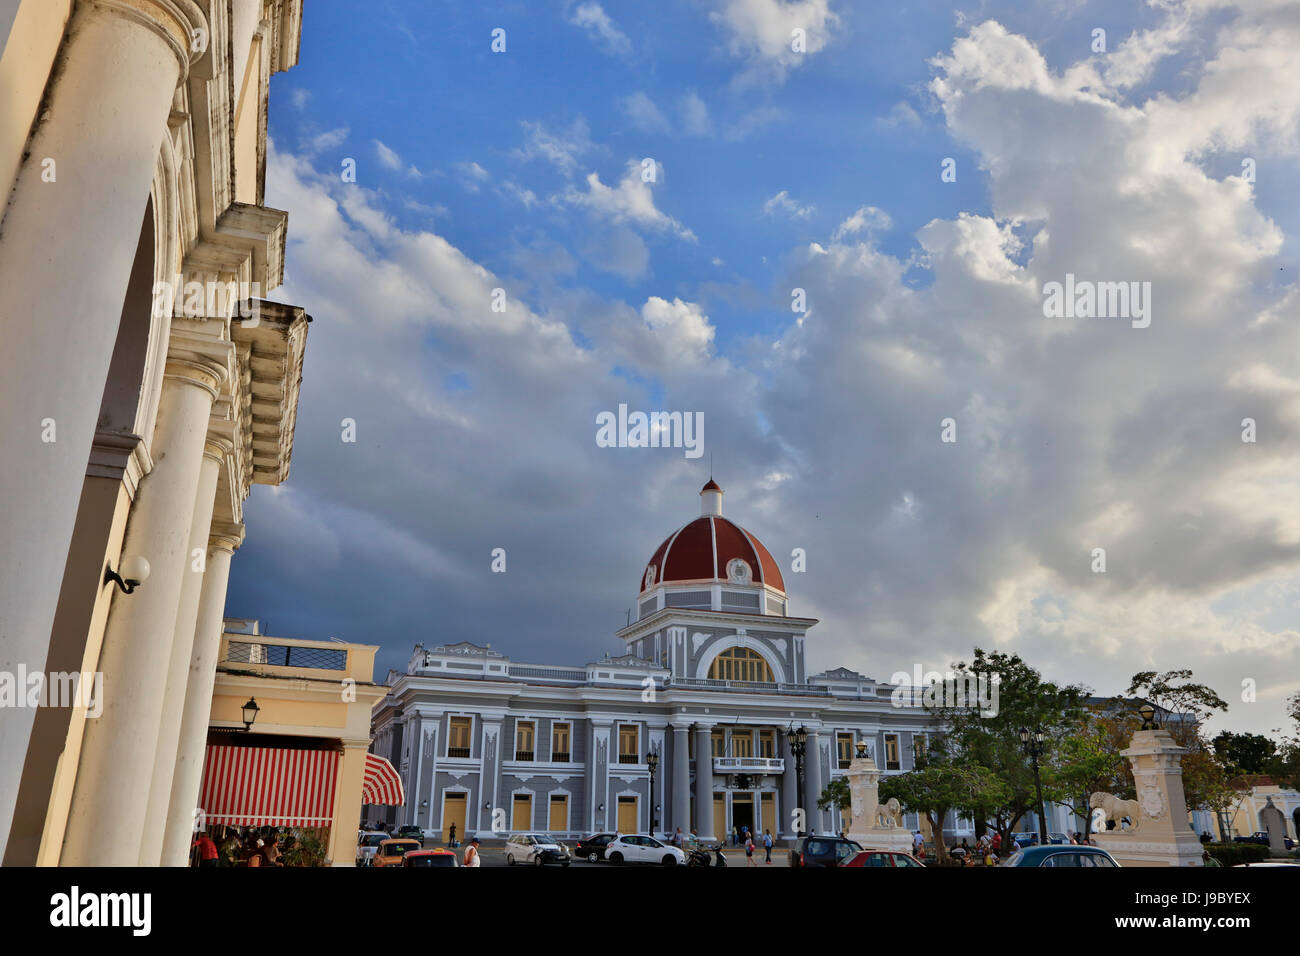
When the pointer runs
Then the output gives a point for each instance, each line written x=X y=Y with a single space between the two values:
x=495 y=856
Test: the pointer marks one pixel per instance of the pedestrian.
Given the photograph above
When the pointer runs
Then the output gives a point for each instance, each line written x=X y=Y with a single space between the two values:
x=918 y=845
x=471 y=853
x=1074 y=841
x=271 y=852
x=735 y=836
x=997 y=841
x=677 y=838
x=451 y=836
x=749 y=848
x=767 y=846
x=207 y=849
x=1207 y=860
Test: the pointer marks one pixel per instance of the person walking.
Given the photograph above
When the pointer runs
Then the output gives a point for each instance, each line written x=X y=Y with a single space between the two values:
x=677 y=838
x=471 y=853
x=767 y=846
x=918 y=845
x=749 y=848
x=207 y=849
x=451 y=836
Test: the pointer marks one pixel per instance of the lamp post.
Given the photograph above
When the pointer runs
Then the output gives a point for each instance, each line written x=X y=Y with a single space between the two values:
x=798 y=741
x=652 y=761
x=250 y=713
x=1148 y=714
x=1033 y=747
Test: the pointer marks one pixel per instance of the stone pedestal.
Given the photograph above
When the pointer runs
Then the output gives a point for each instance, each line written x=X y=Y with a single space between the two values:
x=868 y=826
x=1274 y=823
x=1160 y=835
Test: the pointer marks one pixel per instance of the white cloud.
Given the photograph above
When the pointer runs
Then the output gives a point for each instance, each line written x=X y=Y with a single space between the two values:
x=865 y=219
x=682 y=327
x=389 y=159
x=762 y=32
x=643 y=113
x=562 y=148
x=629 y=201
x=472 y=175
x=783 y=202
x=593 y=18
x=695 y=115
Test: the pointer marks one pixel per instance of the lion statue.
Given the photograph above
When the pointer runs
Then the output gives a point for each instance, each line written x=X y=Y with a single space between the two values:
x=889 y=813
x=1116 y=809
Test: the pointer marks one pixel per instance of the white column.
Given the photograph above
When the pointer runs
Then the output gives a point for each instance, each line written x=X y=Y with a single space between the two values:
x=66 y=249
x=812 y=779
x=178 y=667
x=682 y=779
x=704 y=782
x=106 y=821
x=191 y=747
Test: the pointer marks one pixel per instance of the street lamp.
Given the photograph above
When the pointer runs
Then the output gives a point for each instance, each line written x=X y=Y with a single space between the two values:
x=1033 y=747
x=250 y=713
x=652 y=761
x=1148 y=717
x=798 y=742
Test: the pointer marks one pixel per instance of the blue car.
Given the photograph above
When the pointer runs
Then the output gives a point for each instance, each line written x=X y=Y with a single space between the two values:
x=1055 y=855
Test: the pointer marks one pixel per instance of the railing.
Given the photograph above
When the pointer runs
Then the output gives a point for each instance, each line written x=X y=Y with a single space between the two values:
x=457 y=751
x=748 y=765
x=747 y=686
x=628 y=758
x=560 y=757
x=286 y=655
x=523 y=755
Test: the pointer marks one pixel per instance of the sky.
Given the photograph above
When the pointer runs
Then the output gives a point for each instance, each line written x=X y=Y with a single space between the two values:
x=628 y=203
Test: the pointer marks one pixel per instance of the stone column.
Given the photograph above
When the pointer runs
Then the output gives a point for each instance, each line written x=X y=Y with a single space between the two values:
x=102 y=124
x=681 y=816
x=106 y=822
x=812 y=779
x=178 y=667
x=191 y=746
x=704 y=782
x=789 y=790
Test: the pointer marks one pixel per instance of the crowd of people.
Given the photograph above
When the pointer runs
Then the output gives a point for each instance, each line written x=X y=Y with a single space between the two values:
x=242 y=846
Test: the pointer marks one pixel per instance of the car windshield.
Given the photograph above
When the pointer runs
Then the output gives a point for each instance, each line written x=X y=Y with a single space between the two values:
x=397 y=849
x=373 y=839
x=1014 y=859
x=542 y=841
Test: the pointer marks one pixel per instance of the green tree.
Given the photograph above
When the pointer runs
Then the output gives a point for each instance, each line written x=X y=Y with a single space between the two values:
x=1189 y=703
x=941 y=787
x=1088 y=760
x=991 y=740
x=836 y=794
x=1244 y=753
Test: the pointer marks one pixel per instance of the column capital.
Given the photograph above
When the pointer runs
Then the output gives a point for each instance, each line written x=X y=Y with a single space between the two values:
x=225 y=537
x=180 y=23
x=217 y=448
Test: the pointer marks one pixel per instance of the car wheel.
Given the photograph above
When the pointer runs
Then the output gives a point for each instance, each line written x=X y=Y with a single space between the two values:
x=669 y=860
x=510 y=860
x=616 y=858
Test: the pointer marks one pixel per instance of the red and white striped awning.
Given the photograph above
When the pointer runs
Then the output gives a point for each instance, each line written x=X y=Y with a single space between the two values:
x=265 y=786
x=383 y=787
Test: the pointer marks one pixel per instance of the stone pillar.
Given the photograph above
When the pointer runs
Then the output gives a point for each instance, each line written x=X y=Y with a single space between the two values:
x=191 y=746
x=681 y=816
x=704 y=783
x=102 y=124
x=864 y=797
x=812 y=782
x=106 y=822
x=178 y=667
x=789 y=791
x=1161 y=835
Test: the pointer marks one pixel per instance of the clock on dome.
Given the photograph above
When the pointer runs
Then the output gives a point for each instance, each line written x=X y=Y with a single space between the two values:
x=738 y=571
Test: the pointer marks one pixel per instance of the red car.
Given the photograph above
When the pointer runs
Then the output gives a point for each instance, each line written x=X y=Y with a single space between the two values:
x=882 y=858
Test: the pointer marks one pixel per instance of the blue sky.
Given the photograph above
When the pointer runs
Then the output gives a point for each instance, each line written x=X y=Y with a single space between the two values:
x=775 y=171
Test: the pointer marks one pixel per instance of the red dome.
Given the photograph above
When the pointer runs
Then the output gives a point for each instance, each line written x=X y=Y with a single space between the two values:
x=702 y=550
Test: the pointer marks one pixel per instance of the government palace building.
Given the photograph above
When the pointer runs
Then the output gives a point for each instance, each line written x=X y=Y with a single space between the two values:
x=687 y=728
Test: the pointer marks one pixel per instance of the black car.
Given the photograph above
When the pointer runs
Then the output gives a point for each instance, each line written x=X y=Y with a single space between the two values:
x=823 y=851
x=1260 y=837
x=592 y=848
x=411 y=832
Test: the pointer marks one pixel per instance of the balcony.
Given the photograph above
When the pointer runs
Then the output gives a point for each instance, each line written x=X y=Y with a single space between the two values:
x=748 y=765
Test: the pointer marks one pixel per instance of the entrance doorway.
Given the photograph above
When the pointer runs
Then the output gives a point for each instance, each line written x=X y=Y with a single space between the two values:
x=453 y=811
x=742 y=812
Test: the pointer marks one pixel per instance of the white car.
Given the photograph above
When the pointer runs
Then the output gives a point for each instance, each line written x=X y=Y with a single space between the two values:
x=639 y=848
x=537 y=849
x=367 y=843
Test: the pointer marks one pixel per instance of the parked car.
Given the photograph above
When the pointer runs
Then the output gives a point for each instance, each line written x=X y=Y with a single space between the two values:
x=1261 y=837
x=411 y=833
x=1028 y=838
x=536 y=849
x=1055 y=855
x=639 y=848
x=592 y=848
x=436 y=857
x=823 y=851
x=367 y=843
x=391 y=851
x=870 y=857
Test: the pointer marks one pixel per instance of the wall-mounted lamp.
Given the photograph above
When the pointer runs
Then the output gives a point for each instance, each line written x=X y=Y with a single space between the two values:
x=250 y=713
x=601 y=808
x=488 y=805
x=134 y=571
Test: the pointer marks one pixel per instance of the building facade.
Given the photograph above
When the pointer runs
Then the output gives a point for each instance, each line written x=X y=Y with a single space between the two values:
x=145 y=387
x=711 y=678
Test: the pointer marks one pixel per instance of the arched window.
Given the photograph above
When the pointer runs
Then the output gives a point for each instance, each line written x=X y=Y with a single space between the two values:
x=740 y=663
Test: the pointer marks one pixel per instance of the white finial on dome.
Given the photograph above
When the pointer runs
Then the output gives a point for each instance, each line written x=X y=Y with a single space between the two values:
x=711 y=499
